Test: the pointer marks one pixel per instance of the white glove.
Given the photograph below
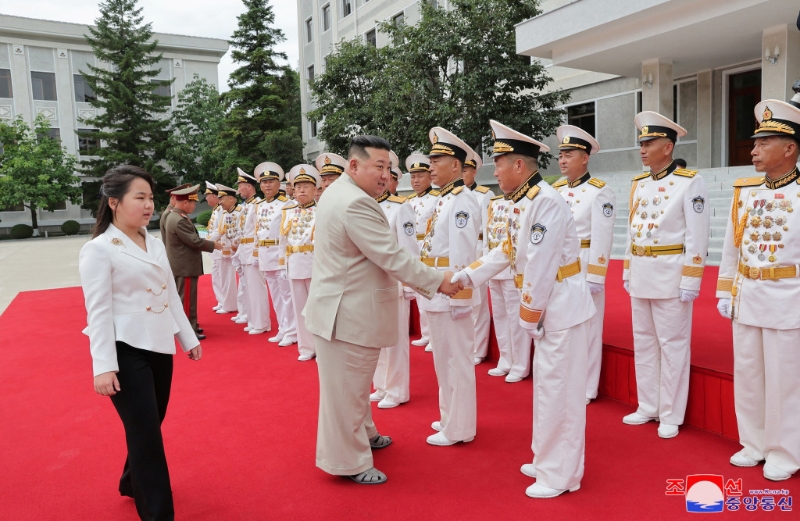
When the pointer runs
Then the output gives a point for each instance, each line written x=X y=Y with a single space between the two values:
x=724 y=307
x=594 y=287
x=688 y=295
x=627 y=285
x=457 y=312
x=462 y=277
x=536 y=334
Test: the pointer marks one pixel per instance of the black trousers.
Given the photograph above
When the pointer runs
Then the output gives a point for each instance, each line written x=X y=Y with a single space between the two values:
x=145 y=378
x=187 y=289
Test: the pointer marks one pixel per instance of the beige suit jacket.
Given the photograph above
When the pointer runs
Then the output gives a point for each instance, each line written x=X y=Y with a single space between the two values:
x=357 y=263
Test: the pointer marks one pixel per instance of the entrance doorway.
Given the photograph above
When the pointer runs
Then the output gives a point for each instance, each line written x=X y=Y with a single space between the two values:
x=744 y=93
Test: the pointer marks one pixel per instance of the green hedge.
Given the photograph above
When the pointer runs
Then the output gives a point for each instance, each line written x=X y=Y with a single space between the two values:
x=71 y=227
x=21 y=231
x=203 y=218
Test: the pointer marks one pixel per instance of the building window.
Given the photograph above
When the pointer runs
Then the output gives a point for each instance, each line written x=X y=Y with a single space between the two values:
x=326 y=17
x=675 y=103
x=161 y=87
x=57 y=206
x=347 y=7
x=638 y=102
x=83 y=91
x=309 y=30
x=44 y=86
x=88 y=144
x=5 y=84
x=13 y=208
x=582 y=116
x=372 y=38
x=312 y=128
x=53 y=133
x=399 y=19
x=310 y=75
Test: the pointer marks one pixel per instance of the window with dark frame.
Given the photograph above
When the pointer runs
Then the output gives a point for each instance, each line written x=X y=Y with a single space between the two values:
x=43 y=85
x=312 y=126
x=54 y=133
x=582 y=116
x=310 y=74
x=83 y=91
x=5 y=84
x=57 y=206
x=88 y=144
x=347 y=7
x=326 y=17
x=309 y=30
x=13 y=208
x=162 y=87
x=372 y=37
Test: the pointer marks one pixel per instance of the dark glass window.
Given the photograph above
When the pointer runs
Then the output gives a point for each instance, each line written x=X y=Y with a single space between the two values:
x=83 y=92
x=326 y=17
x=347 y=7
x=582 y=116
x=372 y=38
x=88 y=144
x=5 y=84
x=161 y=87
x=44 y=86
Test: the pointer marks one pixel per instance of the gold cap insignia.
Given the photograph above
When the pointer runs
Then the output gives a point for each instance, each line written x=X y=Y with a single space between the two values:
x=565 y=140
x=767 y=113
x=327 y=160
x=416 y=165
x=241 y=180
x=645 y=129
x=302 y=171
x=435 y=138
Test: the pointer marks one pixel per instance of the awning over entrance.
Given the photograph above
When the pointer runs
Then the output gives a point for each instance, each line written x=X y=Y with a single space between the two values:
x=616 y=36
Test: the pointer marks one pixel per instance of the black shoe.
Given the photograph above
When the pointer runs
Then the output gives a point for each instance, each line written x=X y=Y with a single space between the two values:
x=199 y=330
x=201 y=336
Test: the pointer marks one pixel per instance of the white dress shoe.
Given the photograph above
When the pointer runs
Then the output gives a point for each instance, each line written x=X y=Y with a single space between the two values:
x=421 y=341
x=241 y=320
x=441 y=440
x=437 y=426
x=247 y=329
x=305 y=358
x=588 y=401
x=287 y=341
x=377 y=396
x=666 y=431
x=511 y=379
x=387 y=404
x=740 y=459
x=541 y=492
x=276 y=338
x=497 y=372
x=221 y=311
x=429 y=348
x=637 y=419
x=235 y=318
x=529 y=469
x=216 y=307
x=773 y=473
x=257 y=331
x=477 y=360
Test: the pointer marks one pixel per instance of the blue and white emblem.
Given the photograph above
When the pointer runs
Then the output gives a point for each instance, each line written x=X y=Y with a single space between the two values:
x=699 y=204
x=608 y=209
x=537 y=233
x=408 y=228
x=461 y=219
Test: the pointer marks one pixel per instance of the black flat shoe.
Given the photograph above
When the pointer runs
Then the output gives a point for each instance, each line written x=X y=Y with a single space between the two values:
x=201 y=336
x=199 y=330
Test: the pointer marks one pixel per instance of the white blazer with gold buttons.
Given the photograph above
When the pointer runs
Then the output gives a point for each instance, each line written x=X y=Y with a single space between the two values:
x=131 y=297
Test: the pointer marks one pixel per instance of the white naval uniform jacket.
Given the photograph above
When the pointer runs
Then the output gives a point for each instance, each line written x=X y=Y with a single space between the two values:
x=542 y=248
x=213 y=221
x=594 y=209
x=130 y=296
x=247 y=243
x=268 y=232
x=496 y=230
x=450 y=242
x=423 y=205
x=483 y=195
x=762 y=234
x=296 y=251
x=668 y=210
x=401 y=219
x=228 y=230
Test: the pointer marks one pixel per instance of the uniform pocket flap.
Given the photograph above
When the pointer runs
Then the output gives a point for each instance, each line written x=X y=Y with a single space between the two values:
x=387 y=294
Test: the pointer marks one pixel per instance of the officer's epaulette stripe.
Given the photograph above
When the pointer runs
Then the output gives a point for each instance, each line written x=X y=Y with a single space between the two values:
x=482 y=189
x=748 y=181
x=560 y=182
x=238 y=207
x=396 y=199
x=290 y=206
x=685 y=173
x=496 y=197
x=597 y=182
x=457 y=190
x=282 y=198
x=412 y=196
x=435 y=193
x=532 y=192
x=642 y=176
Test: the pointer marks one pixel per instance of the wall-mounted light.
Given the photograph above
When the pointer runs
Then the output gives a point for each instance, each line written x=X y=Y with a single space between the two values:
x=772 y=58
x=648 y=81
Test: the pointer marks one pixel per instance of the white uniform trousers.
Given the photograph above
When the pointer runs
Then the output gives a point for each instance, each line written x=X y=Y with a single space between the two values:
x=453 y=342
x=393 y=372
x=482 y=320
x=227 y=284
x=766 y=390
x=257 y=298
x=345 y=415
x=424 y=330
x=281 y=293
x=216 y=279
x=662 y=333
x=512 y=340
x=241 y=303
x=595 y=345
x=305 y=340
x=559 y=406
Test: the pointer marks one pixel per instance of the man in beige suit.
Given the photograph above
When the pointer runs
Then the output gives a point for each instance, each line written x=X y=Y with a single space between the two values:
x=353 y=295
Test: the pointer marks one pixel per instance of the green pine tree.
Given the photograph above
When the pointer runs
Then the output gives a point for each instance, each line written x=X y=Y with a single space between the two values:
x=131 y=116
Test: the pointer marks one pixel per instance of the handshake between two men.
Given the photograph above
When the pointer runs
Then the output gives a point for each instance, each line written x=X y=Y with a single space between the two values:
x=450 y=286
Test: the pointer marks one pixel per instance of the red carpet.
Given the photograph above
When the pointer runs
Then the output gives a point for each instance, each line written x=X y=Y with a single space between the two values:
x=241 y=428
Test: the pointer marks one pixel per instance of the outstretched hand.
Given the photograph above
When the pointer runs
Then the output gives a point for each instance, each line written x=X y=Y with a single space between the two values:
x=449 y=288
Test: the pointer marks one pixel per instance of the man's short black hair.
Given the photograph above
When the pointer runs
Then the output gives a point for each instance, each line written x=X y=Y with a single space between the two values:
x=680 y=163
x=360 y=144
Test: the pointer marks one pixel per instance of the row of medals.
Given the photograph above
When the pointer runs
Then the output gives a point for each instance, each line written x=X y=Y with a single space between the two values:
x=301 y=222
x=643 y=203
x=760 y=206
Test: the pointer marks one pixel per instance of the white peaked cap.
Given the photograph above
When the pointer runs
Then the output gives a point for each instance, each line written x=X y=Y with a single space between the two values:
x=571 y=137
x=509 y=141
x=268 y=170
x=653 y=125
x=328 y=163
x=304 y=174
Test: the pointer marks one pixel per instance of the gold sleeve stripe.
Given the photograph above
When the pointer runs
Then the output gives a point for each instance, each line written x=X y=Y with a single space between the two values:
x=626 y=264
x=531 y=316
x=594 y=269
x=475 y=265
x=464 y=294
x=693 y=271
x=724 y=284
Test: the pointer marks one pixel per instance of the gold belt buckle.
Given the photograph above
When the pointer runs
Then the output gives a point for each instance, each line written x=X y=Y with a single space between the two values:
x=755 y=273
x=640 y=250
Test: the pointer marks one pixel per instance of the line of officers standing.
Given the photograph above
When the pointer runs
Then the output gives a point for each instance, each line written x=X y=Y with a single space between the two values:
x=543 y=253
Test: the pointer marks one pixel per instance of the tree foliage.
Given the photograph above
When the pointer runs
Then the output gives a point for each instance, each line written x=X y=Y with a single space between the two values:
x=264 y=93
x=456 y=68
x=35 y=170
x=131 y=115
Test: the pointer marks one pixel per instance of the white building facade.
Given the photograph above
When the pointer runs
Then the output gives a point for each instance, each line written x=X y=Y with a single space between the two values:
x=40 y=73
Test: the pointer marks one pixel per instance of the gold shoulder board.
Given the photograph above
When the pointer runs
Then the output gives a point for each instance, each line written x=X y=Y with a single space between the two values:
x=748 y=181
x=435 y=193
x=482 y=189
x=642 y=176
x=532 y=192
x=290 y=206
x=597 y=182
x=496 y=197
x=397 y=199
x=457 y=190
x=282 y=198
x=238 y=207
x=685 y=173
x=560 y=182
x=412 y=196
